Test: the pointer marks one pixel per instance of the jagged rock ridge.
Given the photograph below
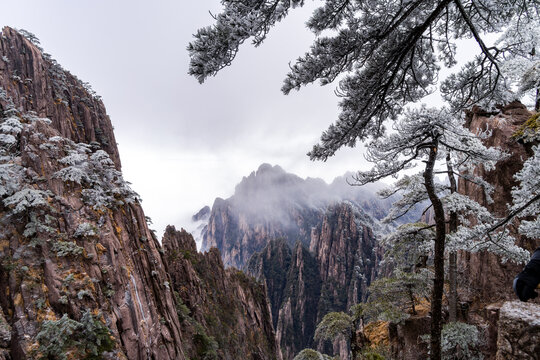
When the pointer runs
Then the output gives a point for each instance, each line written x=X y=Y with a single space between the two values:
x=75 y=238
x=81 y=274
x=312 y=244
x=230 y=306
x=271 y=203
x=304 y=284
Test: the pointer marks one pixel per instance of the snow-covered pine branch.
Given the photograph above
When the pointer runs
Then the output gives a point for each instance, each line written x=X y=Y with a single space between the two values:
x=386 y=53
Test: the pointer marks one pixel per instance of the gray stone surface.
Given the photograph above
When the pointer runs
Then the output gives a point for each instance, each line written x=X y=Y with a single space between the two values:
x=519 y=331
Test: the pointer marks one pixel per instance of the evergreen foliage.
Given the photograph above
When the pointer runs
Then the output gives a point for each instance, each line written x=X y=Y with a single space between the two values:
x=84 y=339
x=310 y=354
x=460 y=341
x=395 y=298
x=103 y=185
x=333 y=325
x=67 y=248
x=386 y=53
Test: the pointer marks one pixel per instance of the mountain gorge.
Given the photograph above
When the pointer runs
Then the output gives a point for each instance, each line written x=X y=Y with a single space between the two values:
x=311 y=243
x=81 y=274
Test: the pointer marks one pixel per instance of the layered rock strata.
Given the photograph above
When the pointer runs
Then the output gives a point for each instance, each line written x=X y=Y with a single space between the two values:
x=81 y=274
x=223 y=310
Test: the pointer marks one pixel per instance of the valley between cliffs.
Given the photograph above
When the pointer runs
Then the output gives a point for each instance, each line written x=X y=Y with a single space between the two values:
x=81 y=274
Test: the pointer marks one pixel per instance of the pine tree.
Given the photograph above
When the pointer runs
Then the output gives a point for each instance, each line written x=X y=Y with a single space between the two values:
x=428 y=135
x=387 y=53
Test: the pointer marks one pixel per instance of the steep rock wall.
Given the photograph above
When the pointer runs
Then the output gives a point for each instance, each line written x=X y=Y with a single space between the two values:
x=519 y=331
x=304 y=285
x=74 y=237
x=37 y=83
x=225 y=312
x=485 y=278
x=271 y=203
x=81 y=274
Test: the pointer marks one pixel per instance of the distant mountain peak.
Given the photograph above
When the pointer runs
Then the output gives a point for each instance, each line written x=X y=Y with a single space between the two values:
x=266 y=168
x=202 y=215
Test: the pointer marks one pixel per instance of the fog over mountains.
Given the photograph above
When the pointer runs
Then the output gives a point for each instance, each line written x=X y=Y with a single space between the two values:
x=270 y=195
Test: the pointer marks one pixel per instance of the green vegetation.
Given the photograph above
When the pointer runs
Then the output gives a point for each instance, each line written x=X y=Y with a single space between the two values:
x=181 y=309
x=333 y=325
x=529 y=130
x=87 y=339
x=310 y=354
x=206 y=345
x=378 y=352
x=395 y=298
x=67 y=248
x=460 y=341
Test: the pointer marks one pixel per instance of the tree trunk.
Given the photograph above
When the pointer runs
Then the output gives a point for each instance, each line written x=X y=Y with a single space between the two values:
x=440 y=233
x=358 y=341
x=452 y=257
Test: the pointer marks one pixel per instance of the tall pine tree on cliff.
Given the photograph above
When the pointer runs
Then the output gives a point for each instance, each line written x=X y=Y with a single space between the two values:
x=387 y=53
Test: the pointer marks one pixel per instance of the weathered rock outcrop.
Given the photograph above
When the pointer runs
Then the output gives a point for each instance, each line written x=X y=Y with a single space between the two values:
x=305 y=285
x=315 y=251
x=81 y=274
x=485 y=278
x=519 y=331
x=37 y=83
x=224 y=311
x=271 y=203
x=272 y=265
x=268 y=204
x=75 y=248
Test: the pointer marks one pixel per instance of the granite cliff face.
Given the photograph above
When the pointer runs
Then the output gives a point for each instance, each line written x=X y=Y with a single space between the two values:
x=518 y=331
x=81 y=274
x=271 y=203
x=332 y=274
x=224 y=311
x=312 y=244
x=486 y=279
x=268 y=204
x=75 y=249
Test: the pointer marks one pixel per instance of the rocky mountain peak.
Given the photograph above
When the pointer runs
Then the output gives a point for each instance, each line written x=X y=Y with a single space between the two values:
x=36 y=84
x=81 y=274
x=202 y=214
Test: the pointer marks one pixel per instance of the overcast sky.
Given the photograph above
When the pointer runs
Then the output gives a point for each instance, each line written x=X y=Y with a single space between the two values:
x=181 y=143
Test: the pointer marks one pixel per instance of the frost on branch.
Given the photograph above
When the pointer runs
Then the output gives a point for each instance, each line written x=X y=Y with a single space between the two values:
x=408 y=246
x=216 y=46
x=527 y=195
x=413 y=192
x=27 y=199
x=477 y=237
x=103 y=185
x=409 y=144
x=10 y=178
x=386 y=53
x=86 y=230
x=521 y=43
x=460 y=341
